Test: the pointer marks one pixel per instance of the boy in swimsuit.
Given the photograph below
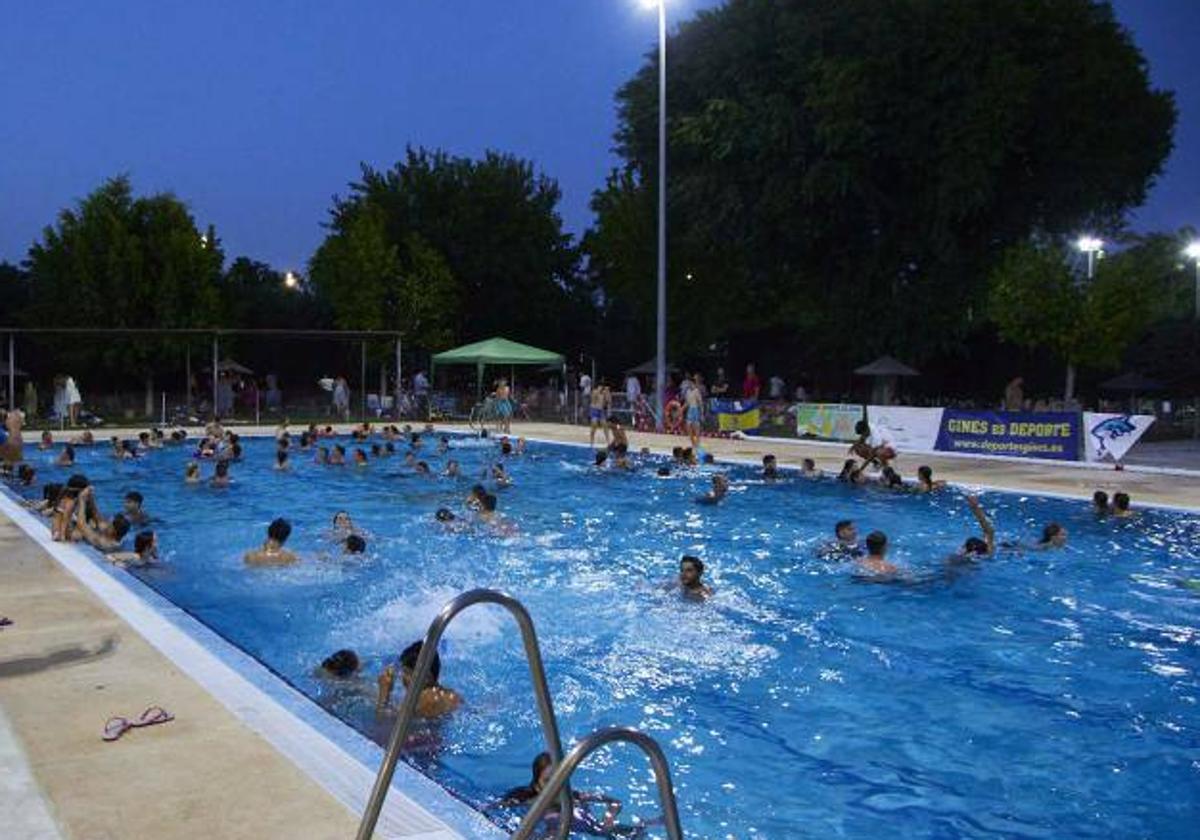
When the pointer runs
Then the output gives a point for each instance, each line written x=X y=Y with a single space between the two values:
x=693 y=413
x=272 y=552
x=598 y=413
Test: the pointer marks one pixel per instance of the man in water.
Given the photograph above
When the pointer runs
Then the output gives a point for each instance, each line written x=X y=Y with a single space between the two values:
x=1120 y=508
x=720 y=488
x=1100 y=503
x=272 y=552
x=976 y=547
x=145 y=551
x=134 y=511
x=808 y=469
x=770 y=468
x=435 y=700
x=875 y=567
x=691 y=585
x=582 y=820
x=598 y=408
x=845 y=544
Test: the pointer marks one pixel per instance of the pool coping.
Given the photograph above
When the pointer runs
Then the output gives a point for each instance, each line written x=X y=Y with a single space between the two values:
x=331 y=753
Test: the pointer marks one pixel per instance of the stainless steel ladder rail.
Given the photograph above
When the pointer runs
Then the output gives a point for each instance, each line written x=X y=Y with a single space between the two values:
x=408 y=710
x=559 y=780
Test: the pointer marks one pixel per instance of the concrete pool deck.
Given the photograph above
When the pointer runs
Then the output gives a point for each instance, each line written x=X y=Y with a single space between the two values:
x=69 y=662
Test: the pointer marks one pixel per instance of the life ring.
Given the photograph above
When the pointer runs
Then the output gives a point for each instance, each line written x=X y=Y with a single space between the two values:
x=673 y=416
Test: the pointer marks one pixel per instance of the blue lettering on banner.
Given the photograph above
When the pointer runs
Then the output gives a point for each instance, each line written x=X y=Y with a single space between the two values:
x=1023 y=434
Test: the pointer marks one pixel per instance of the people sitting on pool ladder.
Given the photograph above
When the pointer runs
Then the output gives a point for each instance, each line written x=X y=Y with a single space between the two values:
x=272 y=552
x=436 y=700
x=582 y=819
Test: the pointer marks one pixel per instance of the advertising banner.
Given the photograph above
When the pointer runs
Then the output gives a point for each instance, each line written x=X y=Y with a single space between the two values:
x=828 y=421
x=1023 y=434
x=907 y=429
x=737 y=415
x=1108 y=437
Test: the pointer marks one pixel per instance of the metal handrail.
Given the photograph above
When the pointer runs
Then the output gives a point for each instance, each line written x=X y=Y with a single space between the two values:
x=562 y=773
x=537 y=673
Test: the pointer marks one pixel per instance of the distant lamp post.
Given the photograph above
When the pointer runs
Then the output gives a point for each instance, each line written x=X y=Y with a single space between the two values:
x=660 y=359
x=203 y=240
x=290 y=280
x=1192 y=252
x=1094 y=248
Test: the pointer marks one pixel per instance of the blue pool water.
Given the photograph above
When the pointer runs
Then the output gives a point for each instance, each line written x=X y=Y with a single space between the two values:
x=1043 y=695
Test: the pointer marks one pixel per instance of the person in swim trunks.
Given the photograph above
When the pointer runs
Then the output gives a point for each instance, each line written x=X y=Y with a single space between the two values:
x=693 y=411
x=504 y=406
x=598 y=412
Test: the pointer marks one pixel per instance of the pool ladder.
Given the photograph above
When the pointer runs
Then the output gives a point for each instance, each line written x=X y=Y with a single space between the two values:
x=559 y=787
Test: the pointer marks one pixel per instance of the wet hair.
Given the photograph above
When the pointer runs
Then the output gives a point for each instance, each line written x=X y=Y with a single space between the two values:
x=1121 y=501
x=192 y=468
x=876 y=542
x=222 y=468
x=847 y=469
x=69 y=450
x=339 y=449
x=483 y=433
x=142 y=541
x=506 y=448
x=489 y=502
x=422 y=467
x=695 y=561
x=51 y=492
x=768 y=459
x=355 y=544
x=143 y=436
x=1052 y=530
x=341 y=663
x=134 y=496
x=809 y=464
x=540 y=762
x=389 y=447
x=925 y=474
x=1100 y=499
x=408 y=659
x=444 y=515
x=279 y=530
x=77 y=482
x=340 y=513
x=664 y=471
x=862 y=428
x=376 y=449
x=677 y=452
x=120 y=526
x=478 y=491
x=842 y=525
x=601 y=457
x=974 y=545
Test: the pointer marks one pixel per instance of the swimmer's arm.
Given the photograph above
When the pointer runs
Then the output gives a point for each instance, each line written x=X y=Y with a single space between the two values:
x=387 y=678
x=985 y=524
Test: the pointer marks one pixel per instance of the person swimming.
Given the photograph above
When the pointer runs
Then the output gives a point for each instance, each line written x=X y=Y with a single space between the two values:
x=66 y=458
x=191 y=473
x=770 y=470
x=133 y=509
x=808 y=469
x=890 y=479
x=221 y=476
x=925 y=480
x=852 y=472
x=845 y=545
x=435 y=699
x=337 y=457
x=977 y=547
x=875 y=567
x=1053 y=536
x=720 y=489
x=281 y=461
x=582 y=820
x=354 y=544
x=272 y=552
x=452 y=469
x=1100 y=503
x=1120 y=508
x=145 y=551
x=691 y=584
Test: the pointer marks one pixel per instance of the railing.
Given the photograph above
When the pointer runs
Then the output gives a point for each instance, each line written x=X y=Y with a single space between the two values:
x=560 y=779
x=408 y=710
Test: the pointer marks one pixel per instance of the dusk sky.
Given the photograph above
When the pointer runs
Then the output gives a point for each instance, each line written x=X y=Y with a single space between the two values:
x=256 y=112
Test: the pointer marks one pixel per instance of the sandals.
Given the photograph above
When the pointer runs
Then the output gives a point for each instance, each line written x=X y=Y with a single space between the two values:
x=118 y=726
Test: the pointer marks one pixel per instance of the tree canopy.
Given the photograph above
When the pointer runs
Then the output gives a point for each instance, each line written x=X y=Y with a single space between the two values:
x=852 y=171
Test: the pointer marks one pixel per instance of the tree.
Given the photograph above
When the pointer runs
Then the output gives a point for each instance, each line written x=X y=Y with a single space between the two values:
x=853 y=170
x=1037 y=301
x=484 y=234
x=117 y=261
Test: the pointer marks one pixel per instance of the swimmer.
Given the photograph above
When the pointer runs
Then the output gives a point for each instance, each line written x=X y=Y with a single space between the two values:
x=617 y=435
x=191 y=473
x=354 y=544
x=84 y=438
x=1120 y=508
x=621 y=461
x=925 y=482
x=340 y=665
x=281 y=461
x=410 y=459
x=845 y=545
x=891 y=479
x=500 y=476
x=975 y=547
x=875 y=565
x=45 y=505
x=808 y=469
x=422 y=468
x=66 y=458
x=221 y=476
x=720 y=488
x=272 y=552
x=360 y=458
x=1100 y=503
x=475 y=497
x=342 y=524
x=145 y=551
x=691 y=585
x=663 y=472
x=452 y=469
x=582 y=820
x=505 y=447
x=1053 y=536
x=852 y=472
x=443 y=445
x=104 y=535
x=322 y=455
x=434 y=701
x=26 y=475
x=144 y=441
x=770 y=468
x=337 y=457
x=133 y=509
x=521 y=446
x=376 y=450
x=445 y=515
x=47 y=441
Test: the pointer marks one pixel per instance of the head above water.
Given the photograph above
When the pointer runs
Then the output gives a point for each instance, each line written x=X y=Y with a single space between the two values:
x=488 y=502
x=444 y=515
x=974 y=545
x=543 y=766
x=355 y=544
x=408 y=663
x=846 y=531
x=1121 y=501
x=862 y=428
x=925 y=474
x=143 y=542
x=342 y=663
x=279 y=530
x=1100 y=500
x=877 y=543
x=601 y=458
x=120 y=526
x=1054 y=534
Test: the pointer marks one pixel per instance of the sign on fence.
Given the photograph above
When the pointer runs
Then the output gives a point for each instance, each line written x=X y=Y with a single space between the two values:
x=828 y=421
x=1107 y=437
x=1045 y=434
x=737 y=415
x=905 y=428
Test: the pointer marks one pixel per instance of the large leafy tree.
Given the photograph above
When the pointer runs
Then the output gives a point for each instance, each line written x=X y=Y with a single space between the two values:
x=446 y=247
x=1039 y=300
x=852 y=170
x=119 y=261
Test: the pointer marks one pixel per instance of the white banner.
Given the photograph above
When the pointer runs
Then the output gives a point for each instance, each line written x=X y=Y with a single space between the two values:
x=1107 y=437
x=907 y=429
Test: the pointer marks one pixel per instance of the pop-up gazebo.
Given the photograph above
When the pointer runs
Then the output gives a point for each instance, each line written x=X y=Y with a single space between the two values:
x=496 y=351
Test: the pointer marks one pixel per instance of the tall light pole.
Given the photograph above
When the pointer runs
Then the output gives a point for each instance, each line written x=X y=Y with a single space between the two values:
x=660 y=359
x=1094 y=248
x=1192 y=252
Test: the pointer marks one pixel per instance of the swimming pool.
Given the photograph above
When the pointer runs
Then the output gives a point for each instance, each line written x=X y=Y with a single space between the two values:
x=1042 y=695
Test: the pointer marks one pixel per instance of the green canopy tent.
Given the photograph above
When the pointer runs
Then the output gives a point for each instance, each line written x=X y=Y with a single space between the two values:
x=497 y=351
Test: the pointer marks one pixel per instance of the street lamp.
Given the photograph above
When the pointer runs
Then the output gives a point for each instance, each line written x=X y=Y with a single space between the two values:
x=1094 y=248
x=1192 y=252
x=290 y=280
x=660 y=359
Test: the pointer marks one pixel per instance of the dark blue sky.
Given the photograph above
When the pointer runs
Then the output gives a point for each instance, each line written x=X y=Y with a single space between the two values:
x=257 y=111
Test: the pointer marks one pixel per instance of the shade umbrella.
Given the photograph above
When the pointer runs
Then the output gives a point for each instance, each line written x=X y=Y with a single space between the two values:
x=230 y=366
x=496 y=351
x=885 y=370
